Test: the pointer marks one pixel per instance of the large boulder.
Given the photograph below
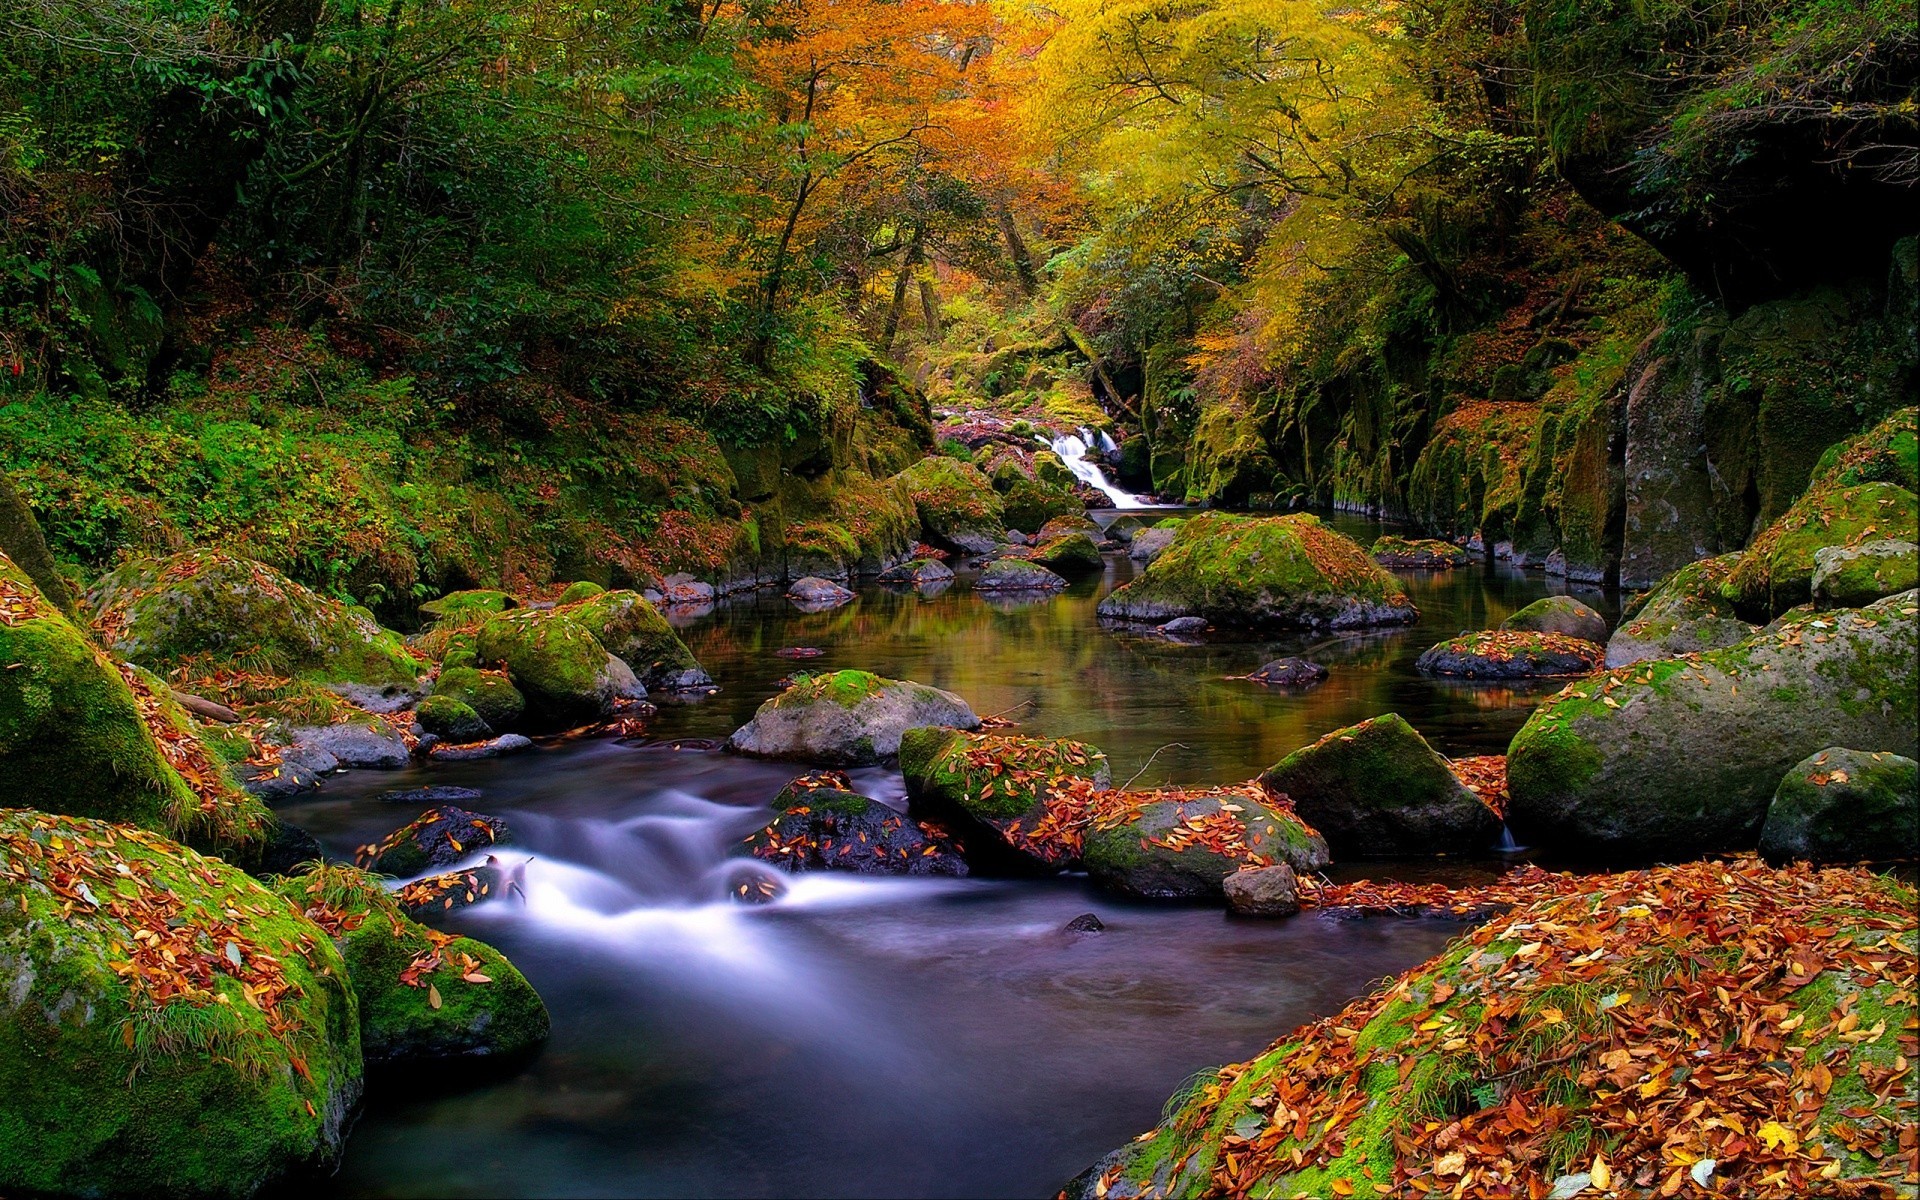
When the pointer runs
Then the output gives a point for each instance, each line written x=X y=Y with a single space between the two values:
x=1559 y=614
x=1378 y=789
x=88 y=737
x=1030 y=503
x=1856 y=576
x=1070 y=554
x=168 y=1026
x=956 y=503
x=847 y=718
x=451 y=719
x=204 y=604
x=823 y=824
x=1151 y=543
x=468 y=607
x=1841 y=805
x=1689 y=612
x=1420 y=553
x=1017 y=575
x=1183 y=843
x=632 y=630
x=919 y=573
x=558 y=664
x=439 y=837
x=489 y=694
x=1776 y=572
x=1286 y=571
x=1011 y=801
x=1682 y=756
x=422 y=994
x=1500 y=654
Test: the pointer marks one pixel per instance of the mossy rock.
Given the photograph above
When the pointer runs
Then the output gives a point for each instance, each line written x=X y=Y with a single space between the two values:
x=111 y=1091
x=1689 y=612
x=847 y=718
x=1378 y=789
x=574 y=593
x=633 y=631
x=1051 y=470
x=422 y=994
x=1156 y=854
x=1030 y=504
x=992 y=790
x=1776 y=572
x=1856 y=576
x=1504 y=654
x=161 y=613
x=1287 y=571
x=956 y=503
x=460 y=608
x=22 y=541
x=1887 y=453
x=439 y=837
x=1070 y=555
x=1122 y=529
x=920 y=573
x=451 y=719
x=1840 y=805
x=1149 y=544
x=1072 y=523
x=491 y=696
x=1421 y=553
x=557 y=663
x=822 y=824
x=1682 y=756
x=1562 y=615
x=1017 y=575
x=83 y=736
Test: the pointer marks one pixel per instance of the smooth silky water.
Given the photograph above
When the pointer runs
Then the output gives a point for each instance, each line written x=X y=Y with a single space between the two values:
x=890 y=1037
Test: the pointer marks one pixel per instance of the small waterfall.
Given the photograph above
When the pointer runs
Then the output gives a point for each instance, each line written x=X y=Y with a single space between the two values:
x=1507 y=845
x=1072 y=449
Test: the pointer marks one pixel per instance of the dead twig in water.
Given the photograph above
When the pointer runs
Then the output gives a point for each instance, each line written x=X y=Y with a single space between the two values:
x=1003 y=712
x=1149 y=762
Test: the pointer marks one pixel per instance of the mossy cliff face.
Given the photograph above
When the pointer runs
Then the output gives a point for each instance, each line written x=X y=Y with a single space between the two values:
x=83 y=736
x=1287 y=571
x=1615 y=764
x=422 y=994
x=161 y=613
x=167 y=1025
x=847 y=718
x=993 y=790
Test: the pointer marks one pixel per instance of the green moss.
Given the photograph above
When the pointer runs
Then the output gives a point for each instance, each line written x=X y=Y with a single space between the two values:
x=845 y=688
x=1776 y=573
x=1071 y=554
x=584 y=589
x=449 y=718
x=634 y=631
x=1548 y=758
x=462 y=608
x=1030 y=504
x=553 y=659
x=953 y=498
x=489 y=696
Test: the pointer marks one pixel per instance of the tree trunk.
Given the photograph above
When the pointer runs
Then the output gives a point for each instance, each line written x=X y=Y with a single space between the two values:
x=930 y=310
x=1017 y=251
x=908 y=262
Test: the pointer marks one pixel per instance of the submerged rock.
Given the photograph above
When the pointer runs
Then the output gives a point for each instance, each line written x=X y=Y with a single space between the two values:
x=1085 y=923
x=1004 y=797
x=847 y=718
x=1856 y=576
x=1498 y=654
x=422 y=994
x=1421 y=553
x=1841 y=805
x=439 y=837
x=1290 y=673
x=1686 y=614
x=1378 y=789
x=1562 y=615
x=813 y=594
x=432 y=794
x=1262 y=891
x=1017 y=575
x=170 y=1026
x=823 y=824
x=1682 y=756
x=1183 y=843
x=1286 y=571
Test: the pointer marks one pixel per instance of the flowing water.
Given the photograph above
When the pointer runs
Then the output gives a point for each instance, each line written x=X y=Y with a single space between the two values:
x=1072 y=449
x=873 y=1037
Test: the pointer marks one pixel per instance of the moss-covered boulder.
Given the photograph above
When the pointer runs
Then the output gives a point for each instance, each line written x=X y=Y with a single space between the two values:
x=489 y=694
x=1182 y=843
x=1689 y=612
x=1069 y=555
x=1017 y=575
x=583 y=589
x=1682 y=756
x=1539 y=1051
x=846 y=718
x=23 y=541
x=557 y=663
x=633 y=631
x=1013 y=802
x=205 y=604
x=1500 y=654
x=460 y=608
x=451 y=719
x=1856 y=576
x=1776 y=572
x=1562 y=615
x=438 y=837
x=956 y=503
x=1064 y=526
x=1289 y=571
x=422 y=994
x=822 y=824
x=1030 y=504
x=168 y=1026
x=1377 y=788
x=1841 y=805
x=88 y=737
x=1421 y=553
x=1887 y=453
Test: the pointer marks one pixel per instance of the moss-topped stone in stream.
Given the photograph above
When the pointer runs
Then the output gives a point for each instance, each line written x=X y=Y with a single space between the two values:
x=1559 y=614
x=1000 y=793
x=422 y=994
x=956 y=502
x=1689 y=612
x=633 y=631
x=1285 y=571
x=168 y=1026
x=1840 y=805
x=1421 y=553
x=1377 y=788
x=846 y=718
x=489 y=694
x=1182 y=843
x=1508 y=654
x=1070 y=555
x=1682 y=756
x=821 y=823
x=161 y=613
x=556 y=662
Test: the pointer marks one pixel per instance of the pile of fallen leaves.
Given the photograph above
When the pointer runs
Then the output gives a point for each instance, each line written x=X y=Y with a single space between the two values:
x=184 y=752
x=20 y=604
x=1543 y=653
x=1716 y=1029
x=868 y=840
x=1485 y=775
x=443 y=893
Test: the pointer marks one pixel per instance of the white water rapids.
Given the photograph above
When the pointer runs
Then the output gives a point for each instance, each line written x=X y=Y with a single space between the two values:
x=1072 y=449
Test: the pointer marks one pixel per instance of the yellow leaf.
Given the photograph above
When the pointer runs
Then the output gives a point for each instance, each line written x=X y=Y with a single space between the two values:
x=1552 y=1016
x=1342 y=1188
x=1778 y=1136
x=1451 y=1164
x=433 y=996
x=1601 y=1174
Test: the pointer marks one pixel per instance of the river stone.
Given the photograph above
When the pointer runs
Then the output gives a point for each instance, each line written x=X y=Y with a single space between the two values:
x=107 y=1094
x=1378 y=789
x=506 y=743
x=1856 y=576
x=847 y=718
x=1262 y=891
x=1682 y=756
x=1684 y=615
x=1069 y=554
x=438 y=895
x=629 y=627
x=813 y=594
x=823 y=824
x=1499 y=654
x=921 y=572
x=1154 y=852
x=1420 y=553
x=437 y=793
x=421 y=997
x=1149 y=544
x=956 y=504
x=490 y=694
x=1559 y=614
x=452 y=719
x=1290 y=673
x=1185 y=625
x=993 y=791
x=1017 y=575
x=1124 y=529
x=352 y=744
x=1288 y=571
x=558 y=664
x=1843 y=805
x=438 y=837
